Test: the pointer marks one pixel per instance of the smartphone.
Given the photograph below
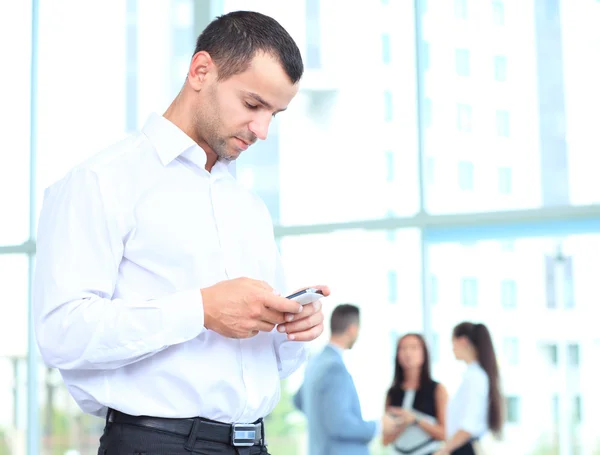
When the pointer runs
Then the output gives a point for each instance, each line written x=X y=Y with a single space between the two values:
x=306 y=296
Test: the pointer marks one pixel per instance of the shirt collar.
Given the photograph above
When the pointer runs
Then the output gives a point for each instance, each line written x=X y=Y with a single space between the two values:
x=170 y=141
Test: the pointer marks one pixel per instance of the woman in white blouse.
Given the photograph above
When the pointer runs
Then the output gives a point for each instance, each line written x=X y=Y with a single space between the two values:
x=477 y=406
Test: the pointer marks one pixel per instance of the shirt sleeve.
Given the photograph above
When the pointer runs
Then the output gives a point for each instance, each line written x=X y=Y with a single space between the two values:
x=473 y=416
x=291 y=355
x=77 y=322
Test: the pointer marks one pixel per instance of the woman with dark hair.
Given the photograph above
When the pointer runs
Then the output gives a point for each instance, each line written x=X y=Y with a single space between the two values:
x=477 y=406
x=417 y=400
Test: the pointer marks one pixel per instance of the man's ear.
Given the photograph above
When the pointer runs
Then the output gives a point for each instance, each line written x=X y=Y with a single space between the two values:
x=200 y=67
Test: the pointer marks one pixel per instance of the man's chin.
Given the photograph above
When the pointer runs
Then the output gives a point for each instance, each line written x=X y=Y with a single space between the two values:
x=229 y=155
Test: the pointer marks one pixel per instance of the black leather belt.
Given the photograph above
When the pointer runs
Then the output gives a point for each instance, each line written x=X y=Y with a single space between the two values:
x=237 y=434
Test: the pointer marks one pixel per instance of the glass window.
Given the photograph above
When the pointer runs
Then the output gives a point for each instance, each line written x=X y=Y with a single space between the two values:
x=509 y=293
x=505 y=180
x=15 y=48
x=433 y=289
x=500 y=68
x=386 y=48
x=555 y=408
x=425 y=56
x=507 y=246
x=389 y=165
x=146 y=38
x=577 y=409
x=502 y=123
x=392 y=286
x=550 y=353
x=568 y=289
x=460 y=9
x=465 y=176
x=13 y=352
x=527 y=351
x=258 y=170
x=462 y=57
x=550 y=282
x=366 y=286
x=429 y=170
x=388 y=106
x=573 y=354
x=533 y=121
x=427 y=112
x=559 y=281
x=313 y=34
x=464 y=114
x=513 y=409
x=498 y=12
x=469 y=292
x=511 y=350
x=434 y=348
x=131 y=69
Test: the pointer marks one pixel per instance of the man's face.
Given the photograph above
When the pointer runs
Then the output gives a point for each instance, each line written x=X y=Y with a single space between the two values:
x=232 y=114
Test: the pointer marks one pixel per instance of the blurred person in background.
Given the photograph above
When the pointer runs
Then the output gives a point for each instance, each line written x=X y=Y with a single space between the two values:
x=417 y=400
x=329 y=399
x=476 y=408
x=157 y=282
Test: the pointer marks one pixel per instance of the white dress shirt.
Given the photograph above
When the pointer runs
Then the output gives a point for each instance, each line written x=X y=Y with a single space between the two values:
x=125 y=243
x=468 y=409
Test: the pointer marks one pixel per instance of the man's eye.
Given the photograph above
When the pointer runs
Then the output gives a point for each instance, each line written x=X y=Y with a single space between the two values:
x=251 y=106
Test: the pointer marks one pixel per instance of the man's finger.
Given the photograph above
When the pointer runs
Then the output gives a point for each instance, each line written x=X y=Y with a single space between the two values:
x=302 y=324
x=324 y=289
x=307 y=335
x=281 y=304
x=272 y=317
x=265 y=326
x=307 y=311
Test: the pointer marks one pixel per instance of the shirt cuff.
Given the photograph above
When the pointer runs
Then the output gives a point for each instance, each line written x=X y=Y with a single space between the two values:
x=290 y=354
x=182 y=316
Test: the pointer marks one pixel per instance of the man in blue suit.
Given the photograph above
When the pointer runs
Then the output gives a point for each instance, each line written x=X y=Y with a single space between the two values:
x=328 y=397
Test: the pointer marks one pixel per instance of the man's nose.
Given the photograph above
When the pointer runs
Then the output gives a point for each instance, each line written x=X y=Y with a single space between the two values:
x=260 y=127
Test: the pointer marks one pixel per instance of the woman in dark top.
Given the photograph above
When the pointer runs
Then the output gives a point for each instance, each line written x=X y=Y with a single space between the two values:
x=419 y=401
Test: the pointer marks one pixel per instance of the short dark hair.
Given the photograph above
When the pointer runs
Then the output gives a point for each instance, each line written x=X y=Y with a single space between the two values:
x=233 y=40
x=344 y=316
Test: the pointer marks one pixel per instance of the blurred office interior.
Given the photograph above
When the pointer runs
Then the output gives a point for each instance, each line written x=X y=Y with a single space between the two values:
x=437 y=165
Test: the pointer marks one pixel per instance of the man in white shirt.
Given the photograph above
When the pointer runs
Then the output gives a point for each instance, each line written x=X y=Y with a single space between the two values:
x=158 y=282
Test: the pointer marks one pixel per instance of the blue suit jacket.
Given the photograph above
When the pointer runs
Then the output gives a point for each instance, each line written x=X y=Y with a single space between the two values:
x=329 y=400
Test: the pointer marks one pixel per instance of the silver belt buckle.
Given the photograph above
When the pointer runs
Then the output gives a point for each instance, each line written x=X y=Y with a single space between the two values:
x=243 y=434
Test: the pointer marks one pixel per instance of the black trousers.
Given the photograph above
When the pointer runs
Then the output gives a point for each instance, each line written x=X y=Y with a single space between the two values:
x=122 y=439
x=467 y=449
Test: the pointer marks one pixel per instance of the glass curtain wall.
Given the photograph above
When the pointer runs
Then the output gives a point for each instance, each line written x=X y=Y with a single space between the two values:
x=436 y=166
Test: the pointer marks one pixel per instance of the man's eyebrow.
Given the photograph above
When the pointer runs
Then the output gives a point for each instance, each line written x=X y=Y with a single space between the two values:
x=262 y=101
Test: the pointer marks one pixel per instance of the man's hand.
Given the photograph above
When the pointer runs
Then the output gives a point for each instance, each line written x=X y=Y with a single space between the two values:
x=390 y=424
x=307 y=325
x=394 y=426
x=242 y=307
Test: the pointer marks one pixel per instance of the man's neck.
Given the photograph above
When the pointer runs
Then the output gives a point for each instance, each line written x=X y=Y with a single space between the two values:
x=338 y=343
x=176 y=113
